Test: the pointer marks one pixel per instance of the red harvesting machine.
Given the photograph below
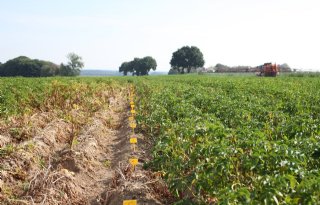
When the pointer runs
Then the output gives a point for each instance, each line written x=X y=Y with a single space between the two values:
x=268 y=69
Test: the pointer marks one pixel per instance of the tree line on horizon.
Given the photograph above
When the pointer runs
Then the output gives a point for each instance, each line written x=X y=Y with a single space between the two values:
x=183 y=61
x=26 y=67
x=138 y=66
x=186 y=59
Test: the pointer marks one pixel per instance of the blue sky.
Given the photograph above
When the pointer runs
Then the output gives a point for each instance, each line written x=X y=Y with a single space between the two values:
x=106 y=33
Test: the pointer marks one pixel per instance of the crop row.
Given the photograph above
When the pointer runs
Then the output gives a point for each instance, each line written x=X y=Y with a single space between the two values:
x=234 y=140
x=19 y=96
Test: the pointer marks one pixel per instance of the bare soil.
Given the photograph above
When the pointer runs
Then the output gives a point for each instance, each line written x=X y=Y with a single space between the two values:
x=90 y=167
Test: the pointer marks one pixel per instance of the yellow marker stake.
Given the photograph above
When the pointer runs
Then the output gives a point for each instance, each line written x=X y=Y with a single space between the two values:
x=133 y=140
x=133 y=125
x=133 y=162
x=129 y=202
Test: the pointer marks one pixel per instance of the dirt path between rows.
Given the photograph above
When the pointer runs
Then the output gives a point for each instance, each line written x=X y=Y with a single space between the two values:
x=121 y=182
x=95 y=170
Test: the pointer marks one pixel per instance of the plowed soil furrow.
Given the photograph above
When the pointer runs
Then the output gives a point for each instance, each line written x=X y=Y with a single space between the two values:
x=126 y=183
x=93 y=168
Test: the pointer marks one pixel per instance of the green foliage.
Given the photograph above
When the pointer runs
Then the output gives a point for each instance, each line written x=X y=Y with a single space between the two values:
x=75 y=61
x=7 y=150
x=126 y=67
x=66 y=70
x=187 y=58
x=26 y=67
x=234 y=140
x=139 y=66
x=217 y=139
x=145 y=65
x=74 y=66
x=19 y=96
x=48 y=69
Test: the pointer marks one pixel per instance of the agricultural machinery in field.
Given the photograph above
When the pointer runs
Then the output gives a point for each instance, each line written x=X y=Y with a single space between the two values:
x=268 y=69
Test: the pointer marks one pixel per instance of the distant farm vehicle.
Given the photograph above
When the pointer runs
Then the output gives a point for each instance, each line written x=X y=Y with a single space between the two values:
x=268 y=70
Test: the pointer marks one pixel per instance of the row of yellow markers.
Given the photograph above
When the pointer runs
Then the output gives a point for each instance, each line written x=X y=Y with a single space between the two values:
x=133 y=138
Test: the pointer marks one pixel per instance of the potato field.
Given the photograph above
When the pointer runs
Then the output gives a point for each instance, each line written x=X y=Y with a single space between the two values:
x=212 y=139
x=235 y=140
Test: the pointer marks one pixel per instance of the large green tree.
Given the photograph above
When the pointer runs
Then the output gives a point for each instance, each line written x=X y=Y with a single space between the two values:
x=49 y=69
x=21 y=66
x=126 y=68
x=186 y=58
x=74 y=66
x=138 y=66
x=145 y=65
x=26 y=67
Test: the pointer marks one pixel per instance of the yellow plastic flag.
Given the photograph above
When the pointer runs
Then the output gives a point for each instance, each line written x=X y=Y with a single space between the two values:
x=133 y=161
x=129 y=202
x=133 y=140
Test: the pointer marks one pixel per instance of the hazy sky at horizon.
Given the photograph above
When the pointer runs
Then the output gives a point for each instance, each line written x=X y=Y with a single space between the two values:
x=106 y=33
